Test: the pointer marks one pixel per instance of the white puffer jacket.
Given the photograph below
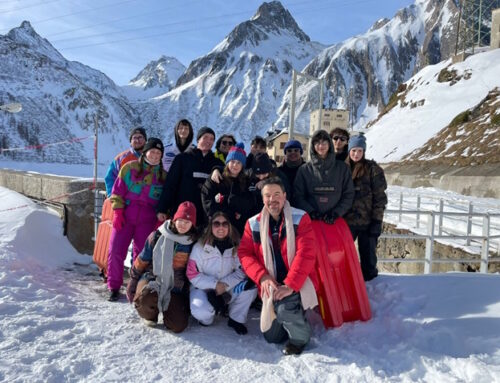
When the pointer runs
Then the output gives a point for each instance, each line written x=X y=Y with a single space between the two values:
x=207 y=265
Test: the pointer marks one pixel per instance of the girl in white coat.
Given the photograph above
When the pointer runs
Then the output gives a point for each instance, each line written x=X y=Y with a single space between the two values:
x=218 y=282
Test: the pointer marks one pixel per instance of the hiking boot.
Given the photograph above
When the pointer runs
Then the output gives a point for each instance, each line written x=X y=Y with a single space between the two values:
x=240 y=328
x=114 y=295
x=292 y=349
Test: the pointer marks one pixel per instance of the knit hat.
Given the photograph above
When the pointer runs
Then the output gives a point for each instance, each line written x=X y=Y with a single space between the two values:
x=261 y=164
x=293 y=144
x=237 y=153
x=138 y=130
x=187 y=211
x=203 y=131
x=153 y=143
x=357 y=142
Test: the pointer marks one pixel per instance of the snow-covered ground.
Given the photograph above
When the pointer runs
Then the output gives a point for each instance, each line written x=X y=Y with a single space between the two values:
x=56 y=326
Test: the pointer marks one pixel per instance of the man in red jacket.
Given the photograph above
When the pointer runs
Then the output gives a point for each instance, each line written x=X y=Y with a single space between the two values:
x=277 y=253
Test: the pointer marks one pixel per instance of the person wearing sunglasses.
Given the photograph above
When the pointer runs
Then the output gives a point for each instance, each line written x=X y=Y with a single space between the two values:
x=222 y=146
x=293 y=161
x=323 y=187
x=340 y=138
x=218 y=284
x=230 y=194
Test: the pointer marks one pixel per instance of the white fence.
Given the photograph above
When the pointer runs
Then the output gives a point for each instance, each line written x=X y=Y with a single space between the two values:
x=469 y=223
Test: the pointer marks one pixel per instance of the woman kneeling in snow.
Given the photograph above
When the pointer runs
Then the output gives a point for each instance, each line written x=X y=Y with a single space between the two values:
x=218 y=282
x=158 y=276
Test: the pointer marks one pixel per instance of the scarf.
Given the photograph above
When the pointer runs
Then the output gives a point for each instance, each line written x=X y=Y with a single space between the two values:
x=307 y=292
x=163 y=255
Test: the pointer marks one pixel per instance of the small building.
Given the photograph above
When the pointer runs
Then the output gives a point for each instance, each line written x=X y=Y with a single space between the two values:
x=495 y=29
x=330 y=119
x=276 y=144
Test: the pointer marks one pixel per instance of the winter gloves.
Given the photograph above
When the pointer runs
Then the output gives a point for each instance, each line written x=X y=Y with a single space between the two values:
x=118 y=219
x=375 y=228
x=329 y=217
x=218 y=302
x=132 y=283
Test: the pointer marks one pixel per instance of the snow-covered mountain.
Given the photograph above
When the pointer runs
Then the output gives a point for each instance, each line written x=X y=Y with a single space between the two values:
x=449 y=112
x=157 y=78
x=60 y=99
x=237 y=86
x=373 y=64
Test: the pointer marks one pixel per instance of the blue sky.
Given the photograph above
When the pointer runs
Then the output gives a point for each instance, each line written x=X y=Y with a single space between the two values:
x=120 y=37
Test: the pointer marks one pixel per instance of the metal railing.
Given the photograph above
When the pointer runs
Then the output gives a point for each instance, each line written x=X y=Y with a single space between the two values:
x=436 y=230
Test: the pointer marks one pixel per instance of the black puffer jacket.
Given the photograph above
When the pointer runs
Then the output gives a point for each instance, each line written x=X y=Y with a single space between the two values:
x=237 y=201
x=186 y=176
x=323 y=185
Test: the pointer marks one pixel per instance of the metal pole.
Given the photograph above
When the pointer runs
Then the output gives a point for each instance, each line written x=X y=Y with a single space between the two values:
x=321 y=85
x=479 y=21
x=400 y=206
x=429 y=244
x=292 y=106
x=469 y=222
x=458 y=27
x=441 y=208
x=418 y=209
x=485 y=245
x=96 y=191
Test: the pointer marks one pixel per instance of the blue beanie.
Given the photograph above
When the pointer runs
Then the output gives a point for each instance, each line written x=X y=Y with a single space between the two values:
x=293 y=144
x=357 y=142
x=237 y=153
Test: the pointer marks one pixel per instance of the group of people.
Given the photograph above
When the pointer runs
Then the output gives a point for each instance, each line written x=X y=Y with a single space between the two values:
x=211 y=231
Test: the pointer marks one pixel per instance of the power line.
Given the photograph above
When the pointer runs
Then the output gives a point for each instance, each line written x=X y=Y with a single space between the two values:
x=27 y=6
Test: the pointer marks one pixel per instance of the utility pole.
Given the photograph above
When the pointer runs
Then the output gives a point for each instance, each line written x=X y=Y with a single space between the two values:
x=292 y=106
x=96 y=191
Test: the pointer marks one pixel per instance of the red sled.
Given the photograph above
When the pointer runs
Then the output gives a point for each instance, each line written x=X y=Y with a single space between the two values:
x=342 y=293
x=101 y=246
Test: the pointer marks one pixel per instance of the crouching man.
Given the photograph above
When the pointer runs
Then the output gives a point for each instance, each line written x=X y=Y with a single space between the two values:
x=277 y=253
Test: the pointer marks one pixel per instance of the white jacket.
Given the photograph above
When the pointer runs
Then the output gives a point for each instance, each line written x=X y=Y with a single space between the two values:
x=207 y=266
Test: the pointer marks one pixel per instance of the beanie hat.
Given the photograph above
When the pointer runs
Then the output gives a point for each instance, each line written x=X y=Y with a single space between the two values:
x=357 y=142
x=153 y=143
x=187 y=211
x=261 y=164
x=203 y=131
x=293 y=144
x=237 y=153
x=137 y=130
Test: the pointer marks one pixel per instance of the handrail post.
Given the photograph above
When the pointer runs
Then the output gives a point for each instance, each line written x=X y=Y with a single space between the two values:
x=400 y=206
x=485 y=245
x=469 y=222
x=429 y=244
x=440 y=224
x=418 y=209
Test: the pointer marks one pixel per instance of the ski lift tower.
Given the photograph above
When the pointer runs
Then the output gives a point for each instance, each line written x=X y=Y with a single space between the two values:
x=473 y=27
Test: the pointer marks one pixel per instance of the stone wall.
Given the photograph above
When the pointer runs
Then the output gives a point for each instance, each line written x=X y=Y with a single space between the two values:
x=415 y=249
x=76 y=210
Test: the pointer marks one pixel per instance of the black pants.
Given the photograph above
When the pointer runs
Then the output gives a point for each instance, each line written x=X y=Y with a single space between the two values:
x=367 y=247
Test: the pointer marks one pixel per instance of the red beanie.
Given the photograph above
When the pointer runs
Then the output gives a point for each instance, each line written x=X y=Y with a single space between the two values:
x=187 y=211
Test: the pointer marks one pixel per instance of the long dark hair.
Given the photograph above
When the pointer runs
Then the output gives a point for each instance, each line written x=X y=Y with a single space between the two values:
x=208 y=238
x=358 y=169
x=162 y=174
x=189 y=139
x=241 y=178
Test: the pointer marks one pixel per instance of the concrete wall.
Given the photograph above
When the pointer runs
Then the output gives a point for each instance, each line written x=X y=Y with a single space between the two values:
x=76 y=210
x=495 y=29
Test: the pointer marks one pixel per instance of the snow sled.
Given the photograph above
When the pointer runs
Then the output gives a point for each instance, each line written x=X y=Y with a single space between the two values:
x=342 y=293
x=101 y=246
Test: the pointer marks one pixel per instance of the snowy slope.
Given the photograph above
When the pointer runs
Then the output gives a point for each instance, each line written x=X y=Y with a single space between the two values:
x=55 y=325
x=427 y=105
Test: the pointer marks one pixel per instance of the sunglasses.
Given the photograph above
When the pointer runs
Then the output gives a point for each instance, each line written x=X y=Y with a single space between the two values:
x=293 y=150
x=341 y=138
x=220 y=223
x=227 y=143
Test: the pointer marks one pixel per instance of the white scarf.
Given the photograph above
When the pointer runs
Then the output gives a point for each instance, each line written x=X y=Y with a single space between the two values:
x=307 y=293
x=163 y=255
